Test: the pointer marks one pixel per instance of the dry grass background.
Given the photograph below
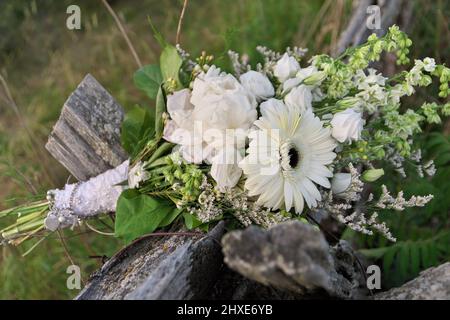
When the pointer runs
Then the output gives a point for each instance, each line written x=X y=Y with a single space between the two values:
x=42 y=62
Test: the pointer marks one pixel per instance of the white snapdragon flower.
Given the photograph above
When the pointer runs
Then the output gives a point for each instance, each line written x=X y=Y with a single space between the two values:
x=429 y=64
x=347 y=125
x=258 y=85
x=137 y=174
x=373 y=78
x=286 y=68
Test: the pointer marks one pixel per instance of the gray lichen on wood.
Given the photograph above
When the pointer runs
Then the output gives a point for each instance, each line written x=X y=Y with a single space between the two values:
x=431 y=284
x=293 y=256
x=357 y=32
x=86 y=138
x=175 y=267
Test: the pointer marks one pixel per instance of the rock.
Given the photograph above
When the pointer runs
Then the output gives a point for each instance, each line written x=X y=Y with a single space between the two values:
x=431 y=284
x=295 y=257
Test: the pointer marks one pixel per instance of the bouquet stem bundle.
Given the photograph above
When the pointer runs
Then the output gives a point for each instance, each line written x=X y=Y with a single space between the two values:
x=29 y=222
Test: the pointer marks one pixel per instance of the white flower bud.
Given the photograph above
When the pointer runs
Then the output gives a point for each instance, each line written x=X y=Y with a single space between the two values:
x=286 y=68
x=340 y=182
x=315 y=78
x=372 y=175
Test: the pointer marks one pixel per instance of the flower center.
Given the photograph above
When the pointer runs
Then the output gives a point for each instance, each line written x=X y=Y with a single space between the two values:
x=294 y=157
x=290 y=157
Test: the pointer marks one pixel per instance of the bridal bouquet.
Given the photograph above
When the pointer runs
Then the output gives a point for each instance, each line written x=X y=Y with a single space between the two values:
x=268 y=142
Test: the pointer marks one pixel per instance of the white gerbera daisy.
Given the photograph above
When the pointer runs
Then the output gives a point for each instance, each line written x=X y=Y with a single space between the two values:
x=287 y=157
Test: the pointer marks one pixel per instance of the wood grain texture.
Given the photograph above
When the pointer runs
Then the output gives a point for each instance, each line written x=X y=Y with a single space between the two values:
x=357 y=32
x=86 y=138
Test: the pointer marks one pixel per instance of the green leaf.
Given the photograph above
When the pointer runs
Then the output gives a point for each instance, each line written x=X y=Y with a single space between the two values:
x=158 y=36
x=160 y=109
x=425 y=255
x=388 y=258
x=138 y=125
x=168 y=219
x=375 y=253
x=404 y=260
x=170 y=62
x=415 y=259
x=138 y=214
x=190 y=221
x=148 y=79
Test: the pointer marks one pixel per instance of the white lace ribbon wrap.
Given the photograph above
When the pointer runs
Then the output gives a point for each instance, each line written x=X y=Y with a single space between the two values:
x=82 y=200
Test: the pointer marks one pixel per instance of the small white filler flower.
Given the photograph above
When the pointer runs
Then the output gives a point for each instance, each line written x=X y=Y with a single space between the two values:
x=287 y=156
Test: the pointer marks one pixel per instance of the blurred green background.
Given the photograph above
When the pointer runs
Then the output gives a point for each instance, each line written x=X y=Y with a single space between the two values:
x=42 y=62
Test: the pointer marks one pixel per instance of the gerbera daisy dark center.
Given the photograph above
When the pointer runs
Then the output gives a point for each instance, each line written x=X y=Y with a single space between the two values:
x=290 y=156
x=294 y=157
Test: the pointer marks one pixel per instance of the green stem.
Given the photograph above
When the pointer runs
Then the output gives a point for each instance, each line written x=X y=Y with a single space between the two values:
x=23 y=228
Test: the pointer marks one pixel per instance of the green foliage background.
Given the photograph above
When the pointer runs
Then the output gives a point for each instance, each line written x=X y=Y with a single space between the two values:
x=42 y=62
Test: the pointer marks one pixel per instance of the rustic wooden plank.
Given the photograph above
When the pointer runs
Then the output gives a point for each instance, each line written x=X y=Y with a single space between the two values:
x=357 y=32
x=295 y=257
x=431 y=284
x=86 y=138
x=174 y=267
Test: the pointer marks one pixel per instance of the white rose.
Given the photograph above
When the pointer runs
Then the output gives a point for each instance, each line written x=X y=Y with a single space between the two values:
x=299 y=98
x=347 y=125
x=257 y=84
x=340 y=182
x=286 y=68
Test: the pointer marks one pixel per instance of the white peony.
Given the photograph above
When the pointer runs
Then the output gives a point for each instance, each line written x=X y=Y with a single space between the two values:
x=210 y=120
x=347 y=125
x=257 y=84
x=299 y=98
x=341 y=182
x=221 y=102
x=286 y=68
x=182 y=129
